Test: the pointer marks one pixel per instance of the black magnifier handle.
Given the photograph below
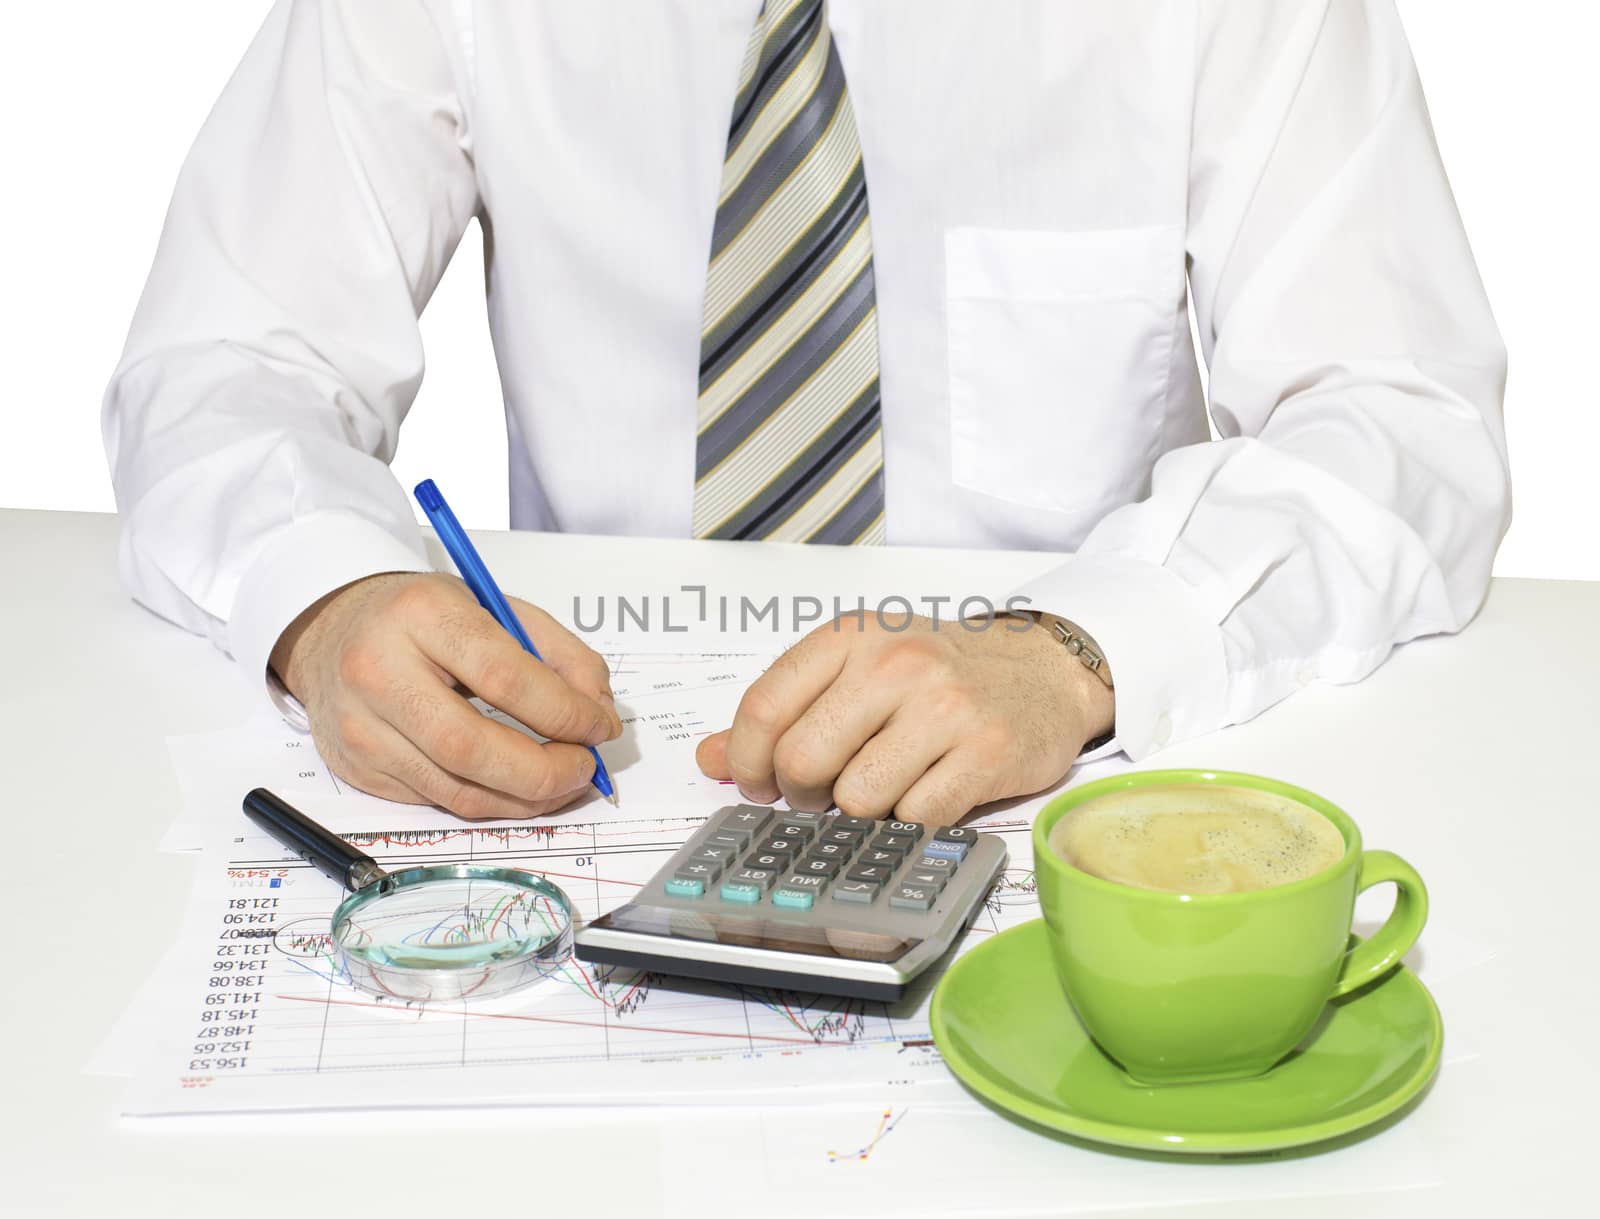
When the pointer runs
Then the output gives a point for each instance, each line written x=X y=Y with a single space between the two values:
x=320 y=847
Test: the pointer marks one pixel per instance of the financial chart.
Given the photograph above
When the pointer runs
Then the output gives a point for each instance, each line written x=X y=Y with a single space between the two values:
x=263 y=1016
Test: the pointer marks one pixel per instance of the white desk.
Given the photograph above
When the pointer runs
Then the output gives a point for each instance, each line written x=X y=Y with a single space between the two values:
x=1473 y=756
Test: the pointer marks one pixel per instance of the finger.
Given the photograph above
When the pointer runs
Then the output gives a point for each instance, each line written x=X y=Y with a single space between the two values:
x=459 y=739
x=350 y=754
x=883 y=770
x=950 y=789
x=473 y=648
x=772 y=704
x=408 y=765
x=711 y=755
x=839 y=723
x=584 y=669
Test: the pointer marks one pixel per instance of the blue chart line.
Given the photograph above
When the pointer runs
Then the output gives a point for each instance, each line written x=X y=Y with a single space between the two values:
x=886 y=1123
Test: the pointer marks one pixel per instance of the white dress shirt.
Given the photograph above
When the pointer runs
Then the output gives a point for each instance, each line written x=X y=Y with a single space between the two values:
x=1051 y=184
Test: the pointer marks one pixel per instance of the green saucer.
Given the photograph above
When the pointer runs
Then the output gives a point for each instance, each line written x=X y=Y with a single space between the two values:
x=1005 y=1028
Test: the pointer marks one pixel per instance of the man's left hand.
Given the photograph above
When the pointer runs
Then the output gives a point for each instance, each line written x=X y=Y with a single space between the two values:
x=901 y=714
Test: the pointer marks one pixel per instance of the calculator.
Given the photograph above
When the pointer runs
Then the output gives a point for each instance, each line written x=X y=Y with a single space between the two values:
x=816 y=902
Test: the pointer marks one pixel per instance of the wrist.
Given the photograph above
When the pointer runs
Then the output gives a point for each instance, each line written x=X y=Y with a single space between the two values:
x=1085 y=671
x=286 y=661
x=1096 y=701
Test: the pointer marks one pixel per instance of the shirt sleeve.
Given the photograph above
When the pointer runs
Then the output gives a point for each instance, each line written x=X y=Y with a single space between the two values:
x=1359 y=488
x=275 y=350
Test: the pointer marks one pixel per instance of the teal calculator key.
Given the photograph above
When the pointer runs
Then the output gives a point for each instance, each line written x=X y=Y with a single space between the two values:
x=742 y=892
x=678 y=887
x=792 y=899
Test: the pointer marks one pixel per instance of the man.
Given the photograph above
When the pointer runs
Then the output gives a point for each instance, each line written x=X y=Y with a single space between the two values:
x=855 y=272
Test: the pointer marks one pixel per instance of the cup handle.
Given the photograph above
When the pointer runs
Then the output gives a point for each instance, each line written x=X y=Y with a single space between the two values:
x=1369 y=960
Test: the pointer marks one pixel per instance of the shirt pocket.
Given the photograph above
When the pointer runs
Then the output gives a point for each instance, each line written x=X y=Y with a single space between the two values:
x=1059 y=350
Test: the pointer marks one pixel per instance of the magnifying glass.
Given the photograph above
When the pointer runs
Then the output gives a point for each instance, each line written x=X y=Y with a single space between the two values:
x=437 y=933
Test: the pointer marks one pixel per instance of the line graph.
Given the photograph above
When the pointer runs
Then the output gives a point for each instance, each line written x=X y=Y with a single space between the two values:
x=1016 y=887
x=272 y=1020
x=886 y=1123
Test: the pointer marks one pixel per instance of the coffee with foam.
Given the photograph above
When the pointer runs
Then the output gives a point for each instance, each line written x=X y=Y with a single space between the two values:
x=1197 y=838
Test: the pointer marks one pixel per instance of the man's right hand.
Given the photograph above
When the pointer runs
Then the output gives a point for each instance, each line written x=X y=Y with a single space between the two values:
x=384 y=667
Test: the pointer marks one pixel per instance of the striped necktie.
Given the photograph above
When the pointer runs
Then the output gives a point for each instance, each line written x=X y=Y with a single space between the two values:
x=790 y=439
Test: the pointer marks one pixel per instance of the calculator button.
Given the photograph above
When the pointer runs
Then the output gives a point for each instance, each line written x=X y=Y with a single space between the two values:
x=937 y=863
x=793 y=899
x=746 y=821
x=884 y=859
x=738 y=891
x=719 y=855
x=912 y=897
x=768 y=861
x=901 y=827
x=798 y=833
x=678 y=887
x=812 y=821
x=873 y=873
x=705 y=873
x=854 y=825
x=818 y=866
x=925 y=879
x=755 y=876
x=787 y=847
x=799 y=880
x=893 y=842
x=956 y=833
x=831 y=850
x=797 y=892
x=861 y=891
x=842 y=838
x=946 y=848
x=724 y=839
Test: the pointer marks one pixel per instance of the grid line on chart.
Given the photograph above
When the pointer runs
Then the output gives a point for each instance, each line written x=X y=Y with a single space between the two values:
x=675 y=1036
x=594 y=853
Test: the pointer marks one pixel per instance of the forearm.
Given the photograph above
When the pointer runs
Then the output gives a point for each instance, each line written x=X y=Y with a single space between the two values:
x=275 y=350
x=1360 y=488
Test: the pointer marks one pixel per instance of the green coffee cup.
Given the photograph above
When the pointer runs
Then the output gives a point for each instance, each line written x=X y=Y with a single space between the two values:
x=1181 y=988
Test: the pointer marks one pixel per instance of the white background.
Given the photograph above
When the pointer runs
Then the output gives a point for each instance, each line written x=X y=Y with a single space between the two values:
x=101 y=99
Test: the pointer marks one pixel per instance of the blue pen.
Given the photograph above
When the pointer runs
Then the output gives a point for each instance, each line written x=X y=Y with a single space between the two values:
x=454 y=539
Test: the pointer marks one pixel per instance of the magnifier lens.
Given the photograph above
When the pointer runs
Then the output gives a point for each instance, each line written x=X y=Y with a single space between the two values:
x=453 y=931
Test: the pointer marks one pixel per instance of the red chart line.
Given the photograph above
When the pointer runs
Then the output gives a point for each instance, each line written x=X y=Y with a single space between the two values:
x=586 y=1024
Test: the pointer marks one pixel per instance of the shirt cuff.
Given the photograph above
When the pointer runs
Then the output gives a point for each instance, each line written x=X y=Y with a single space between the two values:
x=1164 y=650
x=301 y=563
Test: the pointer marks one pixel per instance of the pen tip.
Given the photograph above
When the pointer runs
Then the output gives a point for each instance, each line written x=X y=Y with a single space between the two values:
x=615 y=803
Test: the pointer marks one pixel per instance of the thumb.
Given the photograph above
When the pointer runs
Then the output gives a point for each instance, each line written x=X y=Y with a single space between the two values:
x=711 y=755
